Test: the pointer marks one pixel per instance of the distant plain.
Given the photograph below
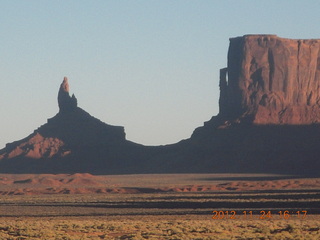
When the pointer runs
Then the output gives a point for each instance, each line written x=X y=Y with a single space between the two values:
x=159 y=206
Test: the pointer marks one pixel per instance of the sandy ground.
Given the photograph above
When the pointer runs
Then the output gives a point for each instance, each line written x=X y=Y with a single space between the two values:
x=159 y=206
x=84 y=183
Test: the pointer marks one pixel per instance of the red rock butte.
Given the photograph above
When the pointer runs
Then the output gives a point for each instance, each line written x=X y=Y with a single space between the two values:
x=271 y=80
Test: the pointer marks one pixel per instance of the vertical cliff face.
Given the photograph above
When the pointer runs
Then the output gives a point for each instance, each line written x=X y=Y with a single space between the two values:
x=271 y=80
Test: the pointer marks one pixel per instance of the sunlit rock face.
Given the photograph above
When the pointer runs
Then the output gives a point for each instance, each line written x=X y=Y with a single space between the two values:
x=271 y=80
x=269 y=111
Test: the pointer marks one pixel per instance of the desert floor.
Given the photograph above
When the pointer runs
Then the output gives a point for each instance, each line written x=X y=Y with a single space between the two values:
x=159 y=206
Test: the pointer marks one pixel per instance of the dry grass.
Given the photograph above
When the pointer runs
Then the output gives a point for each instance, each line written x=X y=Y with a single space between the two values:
x=156 y=228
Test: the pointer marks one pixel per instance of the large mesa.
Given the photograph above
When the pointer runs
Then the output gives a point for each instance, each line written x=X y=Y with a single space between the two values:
x=271 y=80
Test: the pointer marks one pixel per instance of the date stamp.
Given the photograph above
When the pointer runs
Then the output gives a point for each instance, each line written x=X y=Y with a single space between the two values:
x=259 y=215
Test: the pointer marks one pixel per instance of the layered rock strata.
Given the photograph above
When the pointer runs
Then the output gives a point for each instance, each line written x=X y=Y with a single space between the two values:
x=271 y=80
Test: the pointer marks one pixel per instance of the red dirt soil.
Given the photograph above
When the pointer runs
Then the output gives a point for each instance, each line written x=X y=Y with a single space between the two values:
x=84 y=183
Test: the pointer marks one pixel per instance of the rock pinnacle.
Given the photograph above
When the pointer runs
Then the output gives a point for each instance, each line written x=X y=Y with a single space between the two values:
x=65 y=102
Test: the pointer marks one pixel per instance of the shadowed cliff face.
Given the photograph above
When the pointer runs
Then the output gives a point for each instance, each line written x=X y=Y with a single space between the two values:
x=65 y=102
x=271 y=80
x=71 y=132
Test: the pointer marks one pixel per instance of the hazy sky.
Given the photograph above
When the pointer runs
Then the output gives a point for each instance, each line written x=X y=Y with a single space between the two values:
x=150 y=66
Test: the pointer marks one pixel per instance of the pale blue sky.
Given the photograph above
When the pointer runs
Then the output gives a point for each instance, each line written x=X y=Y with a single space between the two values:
x=150 y=66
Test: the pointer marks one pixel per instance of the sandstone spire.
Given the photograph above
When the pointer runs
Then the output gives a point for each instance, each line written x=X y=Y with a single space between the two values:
x=65 y=102
x=65 y=85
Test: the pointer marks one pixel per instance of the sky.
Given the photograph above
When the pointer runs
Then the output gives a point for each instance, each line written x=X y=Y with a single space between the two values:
x=151 y=66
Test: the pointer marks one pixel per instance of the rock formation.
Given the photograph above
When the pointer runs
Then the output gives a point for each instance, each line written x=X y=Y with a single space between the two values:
x=65 y=136
x=65 y=102
x=271 y=80
x=269 y=109
x=268 y=122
